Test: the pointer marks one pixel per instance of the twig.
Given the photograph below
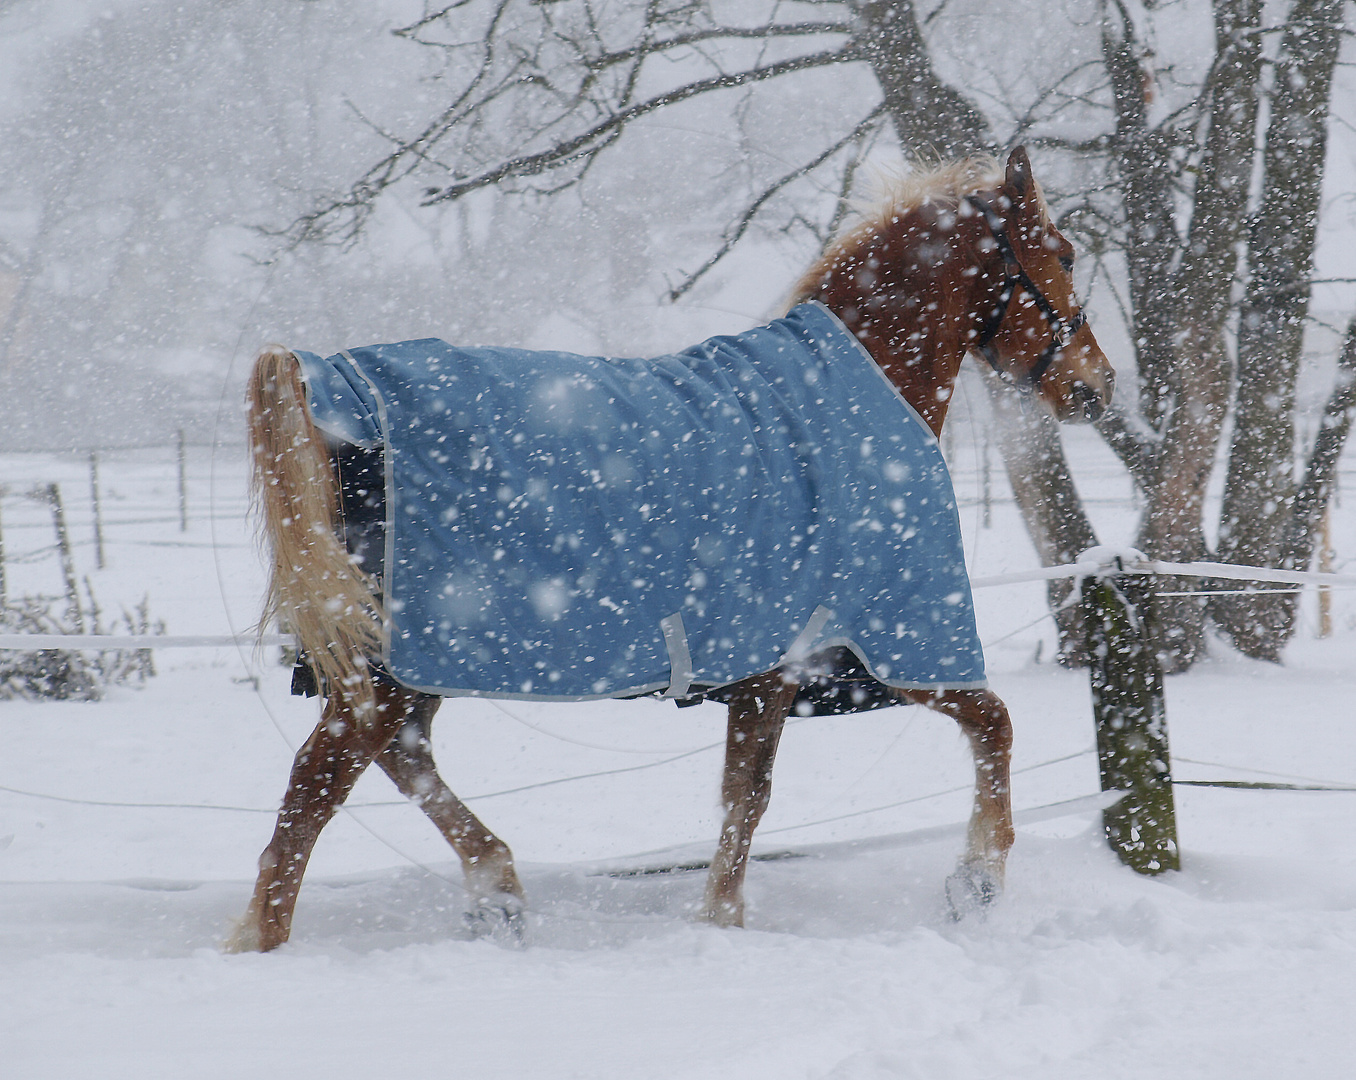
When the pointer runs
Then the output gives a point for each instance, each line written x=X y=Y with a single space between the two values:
x=734 y=235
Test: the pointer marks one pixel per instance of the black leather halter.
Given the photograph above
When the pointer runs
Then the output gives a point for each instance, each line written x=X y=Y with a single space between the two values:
x=1061 y=330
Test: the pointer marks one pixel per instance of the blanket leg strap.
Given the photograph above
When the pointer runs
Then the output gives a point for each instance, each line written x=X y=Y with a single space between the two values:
x=680 y=659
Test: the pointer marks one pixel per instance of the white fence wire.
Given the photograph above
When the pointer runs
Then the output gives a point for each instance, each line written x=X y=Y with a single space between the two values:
x=1125 y=562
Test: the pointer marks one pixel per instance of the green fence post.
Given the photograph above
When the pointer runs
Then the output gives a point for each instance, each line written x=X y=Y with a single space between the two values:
x=1132 y=723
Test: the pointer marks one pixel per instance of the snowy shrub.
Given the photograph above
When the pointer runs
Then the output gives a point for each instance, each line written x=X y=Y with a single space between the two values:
x=70 y=674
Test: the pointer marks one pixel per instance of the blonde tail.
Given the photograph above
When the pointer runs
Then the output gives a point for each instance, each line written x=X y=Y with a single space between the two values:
x=314 y=587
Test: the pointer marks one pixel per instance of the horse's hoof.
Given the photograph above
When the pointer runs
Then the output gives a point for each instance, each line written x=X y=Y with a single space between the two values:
x=971 y=889
x=500 y=918
x=728 y=915
x=245 y=937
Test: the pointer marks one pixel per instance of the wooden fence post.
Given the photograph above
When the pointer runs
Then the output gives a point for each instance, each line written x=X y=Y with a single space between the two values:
x=985 y=478
x=4 y=589
x=1325 y=566
x=51 y=494
x=1132 y=724
x=183 y=483
x=98 y=515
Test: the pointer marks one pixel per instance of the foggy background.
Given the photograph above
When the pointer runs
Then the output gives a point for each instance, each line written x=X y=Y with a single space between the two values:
x=147 y=146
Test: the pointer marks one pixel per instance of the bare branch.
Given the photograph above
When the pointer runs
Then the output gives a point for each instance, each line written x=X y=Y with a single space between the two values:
x=415 y=27
x=719 y=33
x=579 y=146
x=735 y=234
x=1028 y=119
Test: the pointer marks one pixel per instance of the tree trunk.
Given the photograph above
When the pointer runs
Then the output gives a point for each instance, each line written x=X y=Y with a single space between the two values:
x=1259 y=493
x=1315 y=491
x=1029 y=442
x=1171 y=528
x=1151 y=240
x=1152 y=247
x=1181 y=293
x=1320 y=474
x=929 y=117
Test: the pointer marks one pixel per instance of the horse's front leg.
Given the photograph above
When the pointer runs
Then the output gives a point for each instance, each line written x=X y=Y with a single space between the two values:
x=984 y=718
x=324 y=771
x=496 y=893
x=758 y=711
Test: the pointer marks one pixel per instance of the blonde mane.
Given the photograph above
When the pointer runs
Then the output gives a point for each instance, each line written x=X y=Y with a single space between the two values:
x=899 y=193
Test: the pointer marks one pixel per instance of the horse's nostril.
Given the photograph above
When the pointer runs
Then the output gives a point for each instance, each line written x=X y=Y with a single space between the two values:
x=1092 y=403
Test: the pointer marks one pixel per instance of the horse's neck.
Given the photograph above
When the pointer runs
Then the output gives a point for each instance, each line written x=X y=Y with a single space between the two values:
x=918 y=344
x=922 y=362
x=910 y=294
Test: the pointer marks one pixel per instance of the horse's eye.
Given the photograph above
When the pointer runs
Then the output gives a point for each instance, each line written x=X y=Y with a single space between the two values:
x=1067 y=261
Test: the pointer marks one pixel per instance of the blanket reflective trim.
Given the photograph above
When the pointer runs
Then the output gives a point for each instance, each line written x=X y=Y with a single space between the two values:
x=577 y=527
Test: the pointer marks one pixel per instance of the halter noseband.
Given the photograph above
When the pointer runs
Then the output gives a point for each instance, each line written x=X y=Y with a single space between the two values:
x=1062 y=330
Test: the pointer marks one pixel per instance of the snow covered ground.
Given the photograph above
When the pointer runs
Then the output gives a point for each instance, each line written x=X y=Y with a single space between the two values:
x=129 y=829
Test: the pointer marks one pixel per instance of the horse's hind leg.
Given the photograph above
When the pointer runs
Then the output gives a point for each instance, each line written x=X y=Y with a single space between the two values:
x=984 y=718
x=491 y=880
x=323 y=773
x=758 y=710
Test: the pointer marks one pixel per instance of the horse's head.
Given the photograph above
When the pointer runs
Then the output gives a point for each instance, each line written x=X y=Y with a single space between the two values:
x=1036 y=336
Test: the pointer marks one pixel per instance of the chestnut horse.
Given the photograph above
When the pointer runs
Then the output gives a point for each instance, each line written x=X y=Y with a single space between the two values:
x=964 y=258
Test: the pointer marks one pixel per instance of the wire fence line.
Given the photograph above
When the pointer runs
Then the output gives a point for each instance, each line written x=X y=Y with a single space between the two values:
x=165 y=519
x=521 y=789
x=1122 y=563
x=140 y=641
x=1251 y=785
x=1131 y=564
x=1136 y=563
x=35 y=503
x=115 y=448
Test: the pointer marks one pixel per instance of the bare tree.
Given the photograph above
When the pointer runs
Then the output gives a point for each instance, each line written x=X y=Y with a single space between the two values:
x=1180 y=280
x=1262 y=516
x=1188 y=210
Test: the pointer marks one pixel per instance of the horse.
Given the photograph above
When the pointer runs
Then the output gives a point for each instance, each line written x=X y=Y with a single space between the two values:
x=960 y=259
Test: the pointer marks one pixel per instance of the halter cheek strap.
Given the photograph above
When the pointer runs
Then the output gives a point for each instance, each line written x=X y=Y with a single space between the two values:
x=1014 y=277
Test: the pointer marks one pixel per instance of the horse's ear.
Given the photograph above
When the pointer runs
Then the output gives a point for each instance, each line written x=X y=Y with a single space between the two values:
x=1019 y=171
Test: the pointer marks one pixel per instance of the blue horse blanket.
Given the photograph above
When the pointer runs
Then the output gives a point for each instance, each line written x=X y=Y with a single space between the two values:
x=576 y=527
